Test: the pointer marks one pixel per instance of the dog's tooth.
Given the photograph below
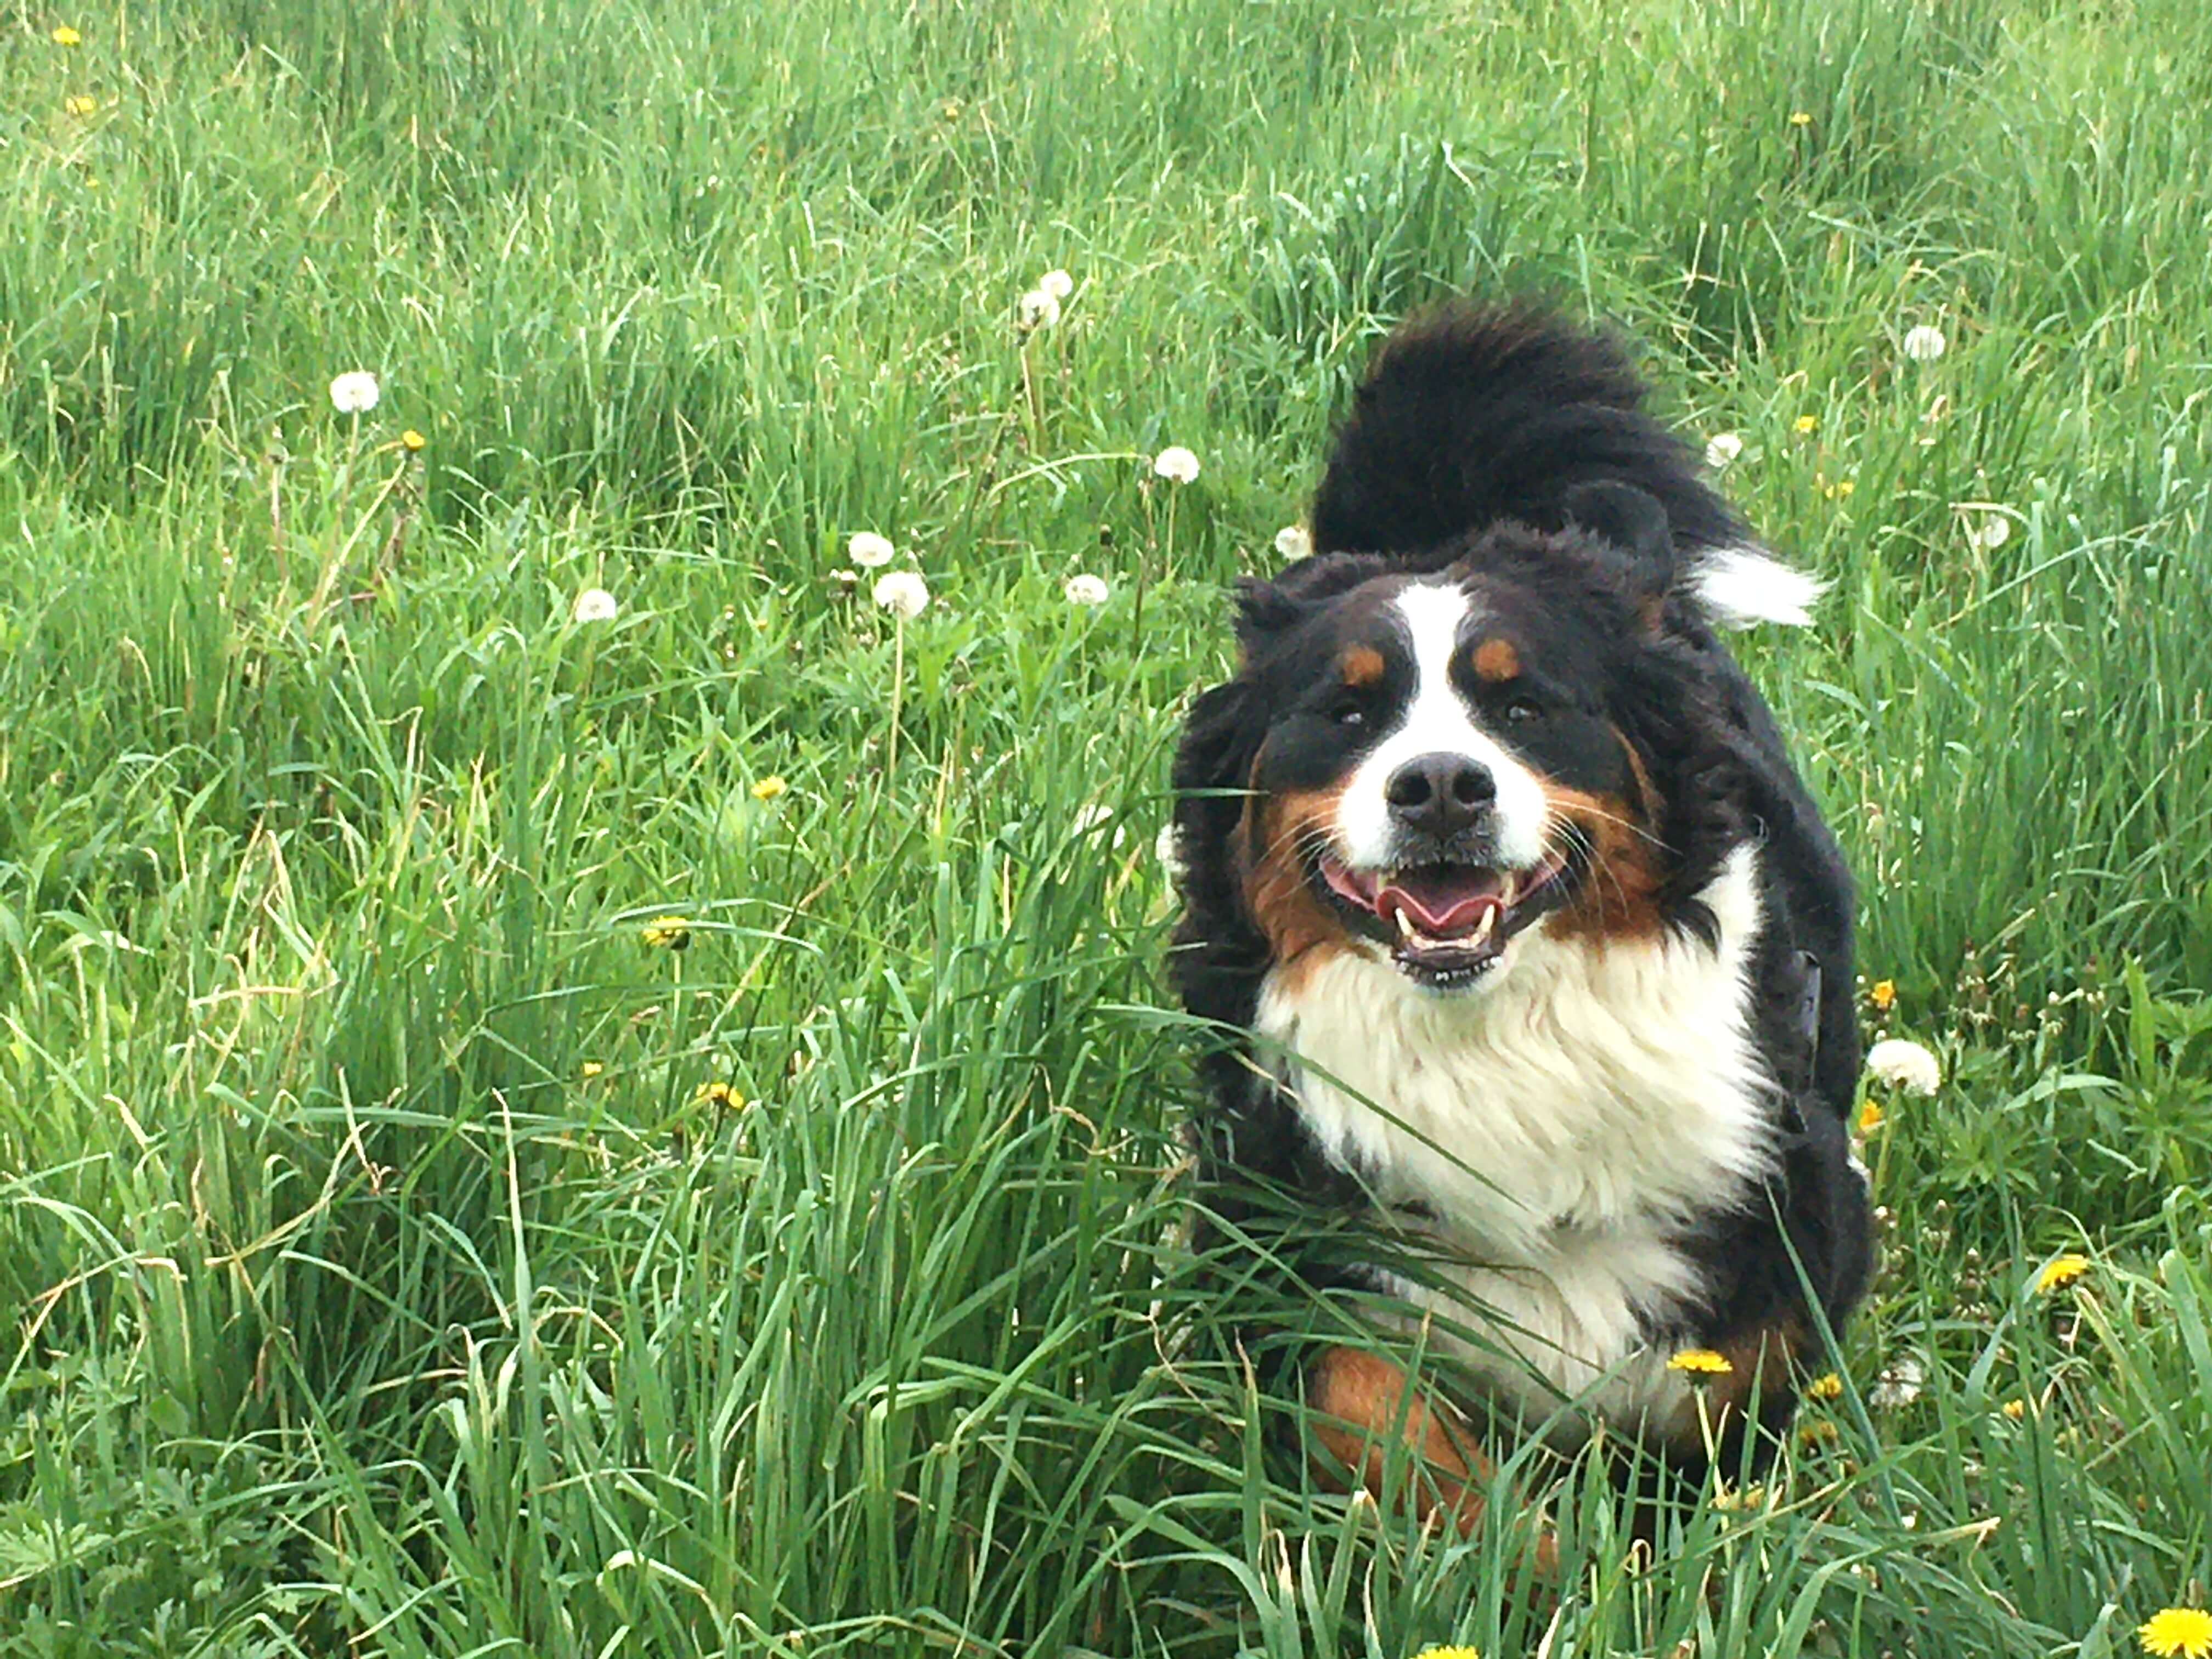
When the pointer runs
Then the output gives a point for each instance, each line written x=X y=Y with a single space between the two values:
x=1482 y=928
x=1512 y=891
x=1405 y=921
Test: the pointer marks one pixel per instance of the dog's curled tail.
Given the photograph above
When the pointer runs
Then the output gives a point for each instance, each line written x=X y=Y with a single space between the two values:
x=1475 y=413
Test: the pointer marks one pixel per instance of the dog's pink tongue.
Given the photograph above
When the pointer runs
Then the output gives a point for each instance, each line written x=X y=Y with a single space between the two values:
x=1442 y=902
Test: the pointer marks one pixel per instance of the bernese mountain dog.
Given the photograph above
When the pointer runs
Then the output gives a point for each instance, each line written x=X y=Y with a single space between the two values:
x=1529 y=944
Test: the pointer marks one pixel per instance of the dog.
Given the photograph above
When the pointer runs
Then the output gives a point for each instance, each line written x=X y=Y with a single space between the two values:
x=1530 y=944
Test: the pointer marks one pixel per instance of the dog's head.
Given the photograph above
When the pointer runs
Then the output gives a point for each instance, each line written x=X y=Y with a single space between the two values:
x=1428 y=761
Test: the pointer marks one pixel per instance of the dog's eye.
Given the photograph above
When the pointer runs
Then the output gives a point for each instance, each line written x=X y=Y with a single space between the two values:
x=1348 y=713
x=1521 y=710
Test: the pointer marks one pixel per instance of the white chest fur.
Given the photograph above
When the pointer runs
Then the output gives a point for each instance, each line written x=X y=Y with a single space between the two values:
x=1560 y=1124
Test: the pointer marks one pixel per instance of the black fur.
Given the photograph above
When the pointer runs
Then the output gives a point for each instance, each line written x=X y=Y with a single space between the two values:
x=1505 y=442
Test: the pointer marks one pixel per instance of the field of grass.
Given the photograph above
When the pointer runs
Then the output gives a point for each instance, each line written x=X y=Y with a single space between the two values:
x=410 y=1253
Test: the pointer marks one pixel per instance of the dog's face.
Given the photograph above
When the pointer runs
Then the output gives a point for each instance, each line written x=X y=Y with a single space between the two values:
x=1432 y=766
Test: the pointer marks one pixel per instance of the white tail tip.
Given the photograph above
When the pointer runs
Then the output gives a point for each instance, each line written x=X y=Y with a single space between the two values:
x=1744 y=586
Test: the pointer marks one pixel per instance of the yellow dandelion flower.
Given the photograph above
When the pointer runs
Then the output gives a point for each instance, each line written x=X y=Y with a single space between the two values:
x=1800 y=118
x=1827 y=1386
x=2060 y=1271
x=2178 y=1633
x=1805 y=423
x=1700 y=1362
x=592 y=1068
x=1448 y=1653
x=66 y=36
x=2014 y=1409
x=770 y=788
x=1840 y=490
x=80 y=104
x=719 y=1094
x=1883 y=995
x=1817 y=1432
x=667 y=933
x=1870 y=1117
x=412 y=439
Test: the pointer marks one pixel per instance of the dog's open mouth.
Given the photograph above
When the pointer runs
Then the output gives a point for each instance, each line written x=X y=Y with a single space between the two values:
x=1447 y=924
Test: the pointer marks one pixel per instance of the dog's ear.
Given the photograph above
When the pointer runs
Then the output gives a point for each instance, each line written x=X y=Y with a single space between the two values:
x=1267 y=607
x=1212 y=775
x=1634 y=523
x=1227 y=725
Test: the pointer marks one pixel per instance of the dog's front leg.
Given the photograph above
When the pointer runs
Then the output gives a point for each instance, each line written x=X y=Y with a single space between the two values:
x=1364 y=1404
x=1361 y=1405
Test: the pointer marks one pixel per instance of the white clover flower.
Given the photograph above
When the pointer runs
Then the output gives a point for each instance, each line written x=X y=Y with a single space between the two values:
x=1167 y=847
x=1293 y=542
x=596 y=604
x=1176 y=462
x=1038 y=309
x=902 y=592
x=868 y=550
x=1898 y=1385
x=1924 y=343
x=1058 y=283
x=356 y=392
x=1722 y=449
x=1904 y=1065
x=1989 y=531
x=1086 y=589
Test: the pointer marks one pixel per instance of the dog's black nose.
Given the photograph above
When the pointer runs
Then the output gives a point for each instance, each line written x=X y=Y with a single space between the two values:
x=1440 y=794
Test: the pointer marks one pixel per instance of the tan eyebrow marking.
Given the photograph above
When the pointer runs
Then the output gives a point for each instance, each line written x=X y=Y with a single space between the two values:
x=1361 y=665
x=1496 y=659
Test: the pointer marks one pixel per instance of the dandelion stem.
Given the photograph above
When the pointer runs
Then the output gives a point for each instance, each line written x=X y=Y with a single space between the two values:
x=898 y=693
x=1032 y=398
x=1137 y=609
x=276 y=521
x=337 y=563
x=1874 y=1183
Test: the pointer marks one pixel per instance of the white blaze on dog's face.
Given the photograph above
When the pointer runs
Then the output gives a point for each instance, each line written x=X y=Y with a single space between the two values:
x=1442 y=772
x=1437 y=759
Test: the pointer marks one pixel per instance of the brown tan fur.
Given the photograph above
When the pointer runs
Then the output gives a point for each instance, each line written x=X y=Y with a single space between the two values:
x=1366 y=1404
x=1369 y=1403
x=1277 y=831
x=1762 y=1362
x=1620 y=897
x=1497 y=661
x=1361 y=666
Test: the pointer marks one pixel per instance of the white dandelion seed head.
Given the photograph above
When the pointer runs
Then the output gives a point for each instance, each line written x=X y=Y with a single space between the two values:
x=1898 y=1385
x=1293 y=541
x=1039 y=309
x=1058 y=283
x=1989 y=531
x=868 y=550
x=1903 y=1063
x=1175 y=464
x=1086 y=589
x=902 y=592
x=1722 y=449
x=596 y=604
x=1924 y=342
x=356 y=392
x=1094 y=815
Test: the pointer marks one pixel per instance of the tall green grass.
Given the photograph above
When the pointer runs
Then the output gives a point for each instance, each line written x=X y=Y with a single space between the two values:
x=410 y=1257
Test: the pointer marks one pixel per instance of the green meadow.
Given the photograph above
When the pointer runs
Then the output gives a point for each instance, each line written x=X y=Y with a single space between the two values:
x=657 y=1135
